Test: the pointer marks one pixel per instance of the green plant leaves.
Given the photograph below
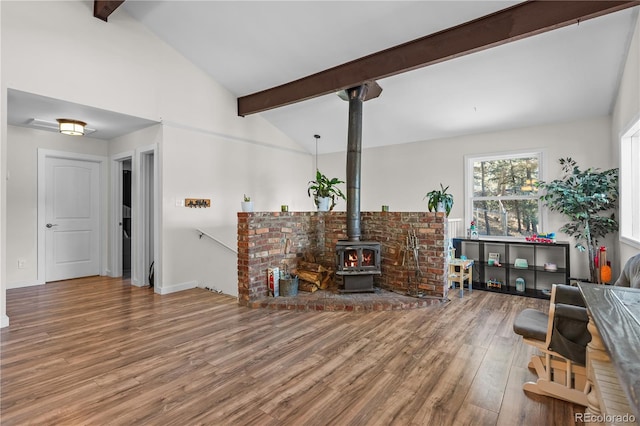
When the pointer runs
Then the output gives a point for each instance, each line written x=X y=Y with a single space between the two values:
x=325 y=187
x=439 y=196
x=584 y=196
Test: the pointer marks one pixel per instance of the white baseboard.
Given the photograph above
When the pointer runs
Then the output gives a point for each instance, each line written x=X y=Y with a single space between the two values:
x=176 y=287
x=137 y=283
x=4 y=322
x=20 y=284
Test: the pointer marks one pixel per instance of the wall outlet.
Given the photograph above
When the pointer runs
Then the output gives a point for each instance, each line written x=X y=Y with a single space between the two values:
x=22 y=263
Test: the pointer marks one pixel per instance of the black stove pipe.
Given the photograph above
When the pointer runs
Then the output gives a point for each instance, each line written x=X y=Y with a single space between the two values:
x=354 y=149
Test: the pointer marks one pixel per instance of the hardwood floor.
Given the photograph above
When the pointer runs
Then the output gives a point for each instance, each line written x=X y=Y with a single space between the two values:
x=98 y=351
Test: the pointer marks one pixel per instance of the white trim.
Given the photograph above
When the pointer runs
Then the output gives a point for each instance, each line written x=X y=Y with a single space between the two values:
x=144 y=254
x=630 y=128
x=231 y=138
x=21 y=284
x=628 y=180
x=497 y=197
x=468 y=181
x=4 y=322
x=630 y=242
x=116 y=210
x=116 y=218
x=177 y=287
x=43 y=154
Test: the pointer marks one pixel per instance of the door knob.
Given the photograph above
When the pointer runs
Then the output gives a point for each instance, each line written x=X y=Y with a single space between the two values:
x=51 y=225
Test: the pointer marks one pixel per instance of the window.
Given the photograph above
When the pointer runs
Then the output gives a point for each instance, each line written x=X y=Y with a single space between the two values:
x=503 y=198
x=630 y=186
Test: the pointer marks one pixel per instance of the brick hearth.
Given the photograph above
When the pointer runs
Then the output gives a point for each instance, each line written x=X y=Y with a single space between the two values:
x=327 y=300
x=266 y=239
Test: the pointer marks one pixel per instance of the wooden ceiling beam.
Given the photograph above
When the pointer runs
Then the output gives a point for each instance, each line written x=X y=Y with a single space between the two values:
x=507 y=25
x=103 y=8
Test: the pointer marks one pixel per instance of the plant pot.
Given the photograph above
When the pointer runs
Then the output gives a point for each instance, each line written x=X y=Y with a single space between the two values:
x=289 y=286
x=440 y=207
x=247 y=206
x=324 y=203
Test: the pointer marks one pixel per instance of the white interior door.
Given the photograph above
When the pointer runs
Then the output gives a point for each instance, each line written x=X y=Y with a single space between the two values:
x=72 y=235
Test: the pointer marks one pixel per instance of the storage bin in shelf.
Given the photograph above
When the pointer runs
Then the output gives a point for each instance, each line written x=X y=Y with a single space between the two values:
x=538 y=280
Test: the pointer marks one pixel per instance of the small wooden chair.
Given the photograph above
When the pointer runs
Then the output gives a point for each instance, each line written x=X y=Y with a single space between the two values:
x=562 y=337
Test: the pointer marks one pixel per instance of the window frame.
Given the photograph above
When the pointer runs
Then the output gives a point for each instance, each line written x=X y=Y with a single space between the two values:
x=629 y=211
x=470 y=159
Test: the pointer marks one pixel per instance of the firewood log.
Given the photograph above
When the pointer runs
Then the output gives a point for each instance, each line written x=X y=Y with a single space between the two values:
x=326 y=282
x=313 y=277
x=307 y=286
x=310 y=266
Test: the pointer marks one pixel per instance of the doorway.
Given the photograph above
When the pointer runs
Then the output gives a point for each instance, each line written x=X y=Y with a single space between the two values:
x=122 y=207
x=135 y=216
x=70 y=225
x=148 y=217
x=126 y=219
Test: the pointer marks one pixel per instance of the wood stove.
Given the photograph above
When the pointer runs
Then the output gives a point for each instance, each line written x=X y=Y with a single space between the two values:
x=357 y=262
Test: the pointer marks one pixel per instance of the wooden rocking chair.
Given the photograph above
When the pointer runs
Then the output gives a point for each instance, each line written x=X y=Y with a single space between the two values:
x=562 y=337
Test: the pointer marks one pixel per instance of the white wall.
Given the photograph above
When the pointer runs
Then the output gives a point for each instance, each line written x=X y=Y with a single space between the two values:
x=4 y=319
x=22 y=194
x=207 y=165
x=124 y=68
x=625 y=113
x=401 y=175
x=132 y=141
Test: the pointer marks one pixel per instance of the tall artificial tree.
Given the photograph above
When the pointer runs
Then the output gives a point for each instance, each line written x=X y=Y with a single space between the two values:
x=587 y=198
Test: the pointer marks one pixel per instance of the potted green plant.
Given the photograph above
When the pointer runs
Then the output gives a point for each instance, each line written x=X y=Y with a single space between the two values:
x=247 y=204
x=325 y=191
x=586 y=197
x=439 y=200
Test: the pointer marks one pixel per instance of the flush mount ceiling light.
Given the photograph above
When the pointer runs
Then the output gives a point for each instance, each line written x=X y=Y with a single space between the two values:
x=71 y=127
x=40 y=124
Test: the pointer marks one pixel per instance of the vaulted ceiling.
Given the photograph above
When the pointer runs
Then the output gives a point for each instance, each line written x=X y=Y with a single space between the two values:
x=569 y=73
x=566 y=74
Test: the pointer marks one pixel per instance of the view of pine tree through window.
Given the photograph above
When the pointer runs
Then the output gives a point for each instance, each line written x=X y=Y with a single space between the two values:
x=505 y=199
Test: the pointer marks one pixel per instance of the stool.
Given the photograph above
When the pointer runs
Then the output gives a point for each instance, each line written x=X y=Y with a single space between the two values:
x=459 y=271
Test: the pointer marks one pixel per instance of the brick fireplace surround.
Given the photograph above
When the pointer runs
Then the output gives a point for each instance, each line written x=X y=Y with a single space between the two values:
x=266 y=239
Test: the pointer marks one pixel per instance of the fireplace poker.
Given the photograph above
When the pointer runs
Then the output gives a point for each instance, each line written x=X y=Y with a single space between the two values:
x=412 y=246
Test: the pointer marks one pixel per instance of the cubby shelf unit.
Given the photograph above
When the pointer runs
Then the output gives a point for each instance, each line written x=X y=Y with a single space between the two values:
x=538 y=280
